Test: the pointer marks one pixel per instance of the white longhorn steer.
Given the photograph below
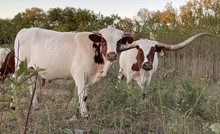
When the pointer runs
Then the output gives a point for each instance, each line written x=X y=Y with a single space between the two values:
x=140 y=64
x=86 y=56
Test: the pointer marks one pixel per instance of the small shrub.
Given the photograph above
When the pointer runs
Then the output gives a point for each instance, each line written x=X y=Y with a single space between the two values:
x=192 y=96
x=215 y=128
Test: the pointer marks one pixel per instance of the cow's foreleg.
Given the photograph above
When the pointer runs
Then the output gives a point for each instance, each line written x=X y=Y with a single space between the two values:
x=120 y=74
x=82 y=93
x=82 y=101
x=12 y=105
x=129 y=79
x=144 y=86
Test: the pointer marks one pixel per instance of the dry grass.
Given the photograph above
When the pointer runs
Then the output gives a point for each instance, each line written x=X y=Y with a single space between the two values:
x=183 y=98
x=117 y=108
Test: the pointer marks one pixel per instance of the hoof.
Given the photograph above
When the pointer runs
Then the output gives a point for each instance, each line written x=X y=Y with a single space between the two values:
x=84 y=98
x=12 y=106
x=143 y=96
x=36 y=108
x=77 y=112
x=85 y=115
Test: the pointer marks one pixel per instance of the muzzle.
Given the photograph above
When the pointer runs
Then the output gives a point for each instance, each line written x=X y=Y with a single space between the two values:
x=147 y=66
x=111 y=56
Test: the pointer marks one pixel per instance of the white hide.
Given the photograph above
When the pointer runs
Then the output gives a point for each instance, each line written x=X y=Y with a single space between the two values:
x=65 y=54
x=128 y=58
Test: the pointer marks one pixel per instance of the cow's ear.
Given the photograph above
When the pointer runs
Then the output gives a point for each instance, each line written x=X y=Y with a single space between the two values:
x=128 y=39
x=95 y=38
x=160 y=49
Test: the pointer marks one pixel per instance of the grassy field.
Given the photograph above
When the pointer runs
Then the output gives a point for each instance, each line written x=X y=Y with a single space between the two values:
x=183 y=98
x=174 y=105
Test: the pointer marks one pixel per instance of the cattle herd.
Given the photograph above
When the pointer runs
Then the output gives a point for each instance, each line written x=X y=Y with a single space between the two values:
x=85 y=56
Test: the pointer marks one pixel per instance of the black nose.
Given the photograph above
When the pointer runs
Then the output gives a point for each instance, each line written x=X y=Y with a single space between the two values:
x=147 y=66
x=111 y=56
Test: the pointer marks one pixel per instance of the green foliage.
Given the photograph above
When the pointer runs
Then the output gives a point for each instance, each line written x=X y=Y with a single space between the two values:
x=215 y=128
x=68 y=131
x=192 y=97
x=118 y=108
x=18 y=85
x=6 y=32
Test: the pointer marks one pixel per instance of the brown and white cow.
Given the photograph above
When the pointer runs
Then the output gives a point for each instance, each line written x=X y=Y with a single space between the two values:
x=86 y=56
x=7 y=63
x=3 y=54
x=140 y=64
x=8 y=66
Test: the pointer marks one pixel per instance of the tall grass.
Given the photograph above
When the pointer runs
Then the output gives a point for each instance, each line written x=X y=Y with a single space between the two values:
x=173 y=105
x=183 y=98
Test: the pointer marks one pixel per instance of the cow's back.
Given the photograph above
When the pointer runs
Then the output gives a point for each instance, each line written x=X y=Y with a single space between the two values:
x=57 y=52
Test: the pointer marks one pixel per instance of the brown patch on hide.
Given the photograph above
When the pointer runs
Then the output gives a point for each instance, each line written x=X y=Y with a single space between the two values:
x=140 y=59
x=151 y=54
x=99 y=69
x=126 y=39
x=100 y=50
x=8 y=66
x=123 y=41
x=100 y=45
x=160 y=48
x=104 y=47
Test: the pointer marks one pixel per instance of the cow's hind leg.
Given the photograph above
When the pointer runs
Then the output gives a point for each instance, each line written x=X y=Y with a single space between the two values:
x=12 y=105
x=32 y=86
x=14 y=88
x=33 y=81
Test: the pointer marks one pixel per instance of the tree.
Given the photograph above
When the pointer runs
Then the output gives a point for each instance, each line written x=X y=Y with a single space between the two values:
x=126 y=25
x=6 y=29
x=143 y=24
x=54 y=18
x=35 y=16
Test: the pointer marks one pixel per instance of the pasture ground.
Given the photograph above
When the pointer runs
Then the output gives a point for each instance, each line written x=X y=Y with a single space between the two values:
x=174 y=105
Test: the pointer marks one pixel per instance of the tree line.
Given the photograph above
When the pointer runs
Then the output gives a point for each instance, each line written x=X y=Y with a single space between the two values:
x=195 y=16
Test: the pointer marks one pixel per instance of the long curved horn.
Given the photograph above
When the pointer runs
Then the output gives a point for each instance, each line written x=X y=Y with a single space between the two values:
x=128 y=46
x=182 y=44
x=127 y=34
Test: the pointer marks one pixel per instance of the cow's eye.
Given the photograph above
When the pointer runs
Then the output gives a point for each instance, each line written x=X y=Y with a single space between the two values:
x=119 y=42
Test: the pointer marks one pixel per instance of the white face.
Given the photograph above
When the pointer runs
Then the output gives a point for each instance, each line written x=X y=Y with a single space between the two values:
x=146 y=54
x=114 y=39
x=112 y=36
x=147 y=46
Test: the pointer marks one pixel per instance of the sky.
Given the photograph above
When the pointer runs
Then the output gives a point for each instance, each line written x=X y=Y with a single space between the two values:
x=123 y=8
